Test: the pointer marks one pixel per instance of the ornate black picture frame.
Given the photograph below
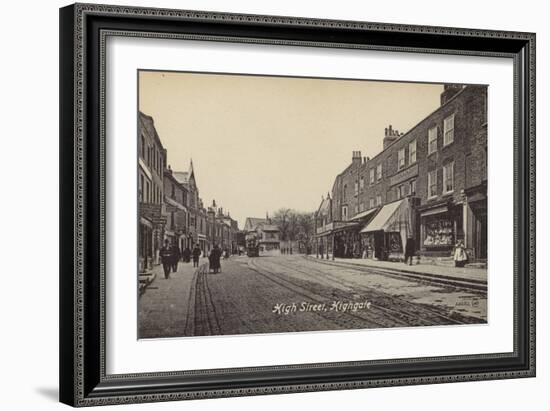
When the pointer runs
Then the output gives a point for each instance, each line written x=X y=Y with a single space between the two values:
x=83 y=30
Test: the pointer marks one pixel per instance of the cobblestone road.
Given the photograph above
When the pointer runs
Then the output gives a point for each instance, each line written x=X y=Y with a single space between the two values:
x=293 y=293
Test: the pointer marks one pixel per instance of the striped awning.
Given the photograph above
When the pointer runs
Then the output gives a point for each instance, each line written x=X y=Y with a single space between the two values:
x=364 y=214
x=391 y=217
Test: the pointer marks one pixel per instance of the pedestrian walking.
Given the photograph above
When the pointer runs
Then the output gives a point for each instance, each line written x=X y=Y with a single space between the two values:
x=186 y=255
x=196 y=255
x=166 y=258
x=410 y=247
x=460 y=255
x=176 y=255
x=214 y=259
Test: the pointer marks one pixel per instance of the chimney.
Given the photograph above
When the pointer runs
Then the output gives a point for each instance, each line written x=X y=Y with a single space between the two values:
x=449 y=91
x=390 y=135
x=356 y=157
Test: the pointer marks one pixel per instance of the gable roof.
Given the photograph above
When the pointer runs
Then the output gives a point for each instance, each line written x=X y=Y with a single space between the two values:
x=181 y=176
x=252 y=223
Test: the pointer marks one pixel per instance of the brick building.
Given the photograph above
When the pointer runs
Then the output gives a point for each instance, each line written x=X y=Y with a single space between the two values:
x=176 y=210
x=429 y=184
x=151 y=163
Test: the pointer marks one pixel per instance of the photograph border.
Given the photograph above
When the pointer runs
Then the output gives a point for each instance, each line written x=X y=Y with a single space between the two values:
x=84 y=29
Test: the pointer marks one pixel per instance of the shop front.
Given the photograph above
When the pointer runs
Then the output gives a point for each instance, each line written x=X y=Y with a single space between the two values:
x=385 y=236
x=339 y=239
x=475 y=222
x=440 y=229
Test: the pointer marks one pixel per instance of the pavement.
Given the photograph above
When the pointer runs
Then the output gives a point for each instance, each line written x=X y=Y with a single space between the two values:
x=293 y=293
x=165 y=306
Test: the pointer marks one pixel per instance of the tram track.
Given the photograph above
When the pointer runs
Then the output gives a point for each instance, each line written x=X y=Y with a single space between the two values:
x=410 y=314
x=346 y=320
x=416 y=312
x=202 y=316
x=472 y=285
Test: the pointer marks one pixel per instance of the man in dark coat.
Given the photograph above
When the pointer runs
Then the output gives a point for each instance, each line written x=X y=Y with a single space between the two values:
x=175 y=257
x=196 y=255
x=214 y=259
x=409 y=250
x=166 y=258
x=186 y=255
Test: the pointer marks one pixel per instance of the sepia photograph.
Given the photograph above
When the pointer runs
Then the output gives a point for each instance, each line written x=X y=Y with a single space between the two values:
x=279 y=204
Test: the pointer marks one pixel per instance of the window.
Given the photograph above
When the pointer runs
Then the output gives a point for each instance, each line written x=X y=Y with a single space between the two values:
x=432 y=140
x=141 y=187
x=344 y=212
x=379 y=172
x=378 y=200
x=448 y=130
x=356 y=208
x=142 y=147
x=371 y=203
x=361 y=207
x=356 y=188
x=371 y=175
x=401 y=159
x=448 y=177
x=412 y=152
x=432 y=184
x=361 y=183
x=147 y=192
x=344 y=192
x=413 y=187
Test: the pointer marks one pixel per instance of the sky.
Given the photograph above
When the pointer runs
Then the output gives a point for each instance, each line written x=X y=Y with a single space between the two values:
x=261 y=143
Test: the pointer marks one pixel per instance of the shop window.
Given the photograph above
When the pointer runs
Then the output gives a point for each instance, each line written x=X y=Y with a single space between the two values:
x=448 y=130
x=401 y=159
x=432 y=140
x=412 y=152
x=432 y=184
x=448 y=177
x=438 y=232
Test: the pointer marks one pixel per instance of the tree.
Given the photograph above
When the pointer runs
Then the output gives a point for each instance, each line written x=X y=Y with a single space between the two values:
x=295 y=226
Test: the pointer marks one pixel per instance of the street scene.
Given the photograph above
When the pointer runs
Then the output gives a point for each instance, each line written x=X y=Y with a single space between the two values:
x=299 y=293
x=266 y=226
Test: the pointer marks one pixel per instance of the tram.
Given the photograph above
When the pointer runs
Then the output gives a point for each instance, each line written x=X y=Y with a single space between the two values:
x=252 y=247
